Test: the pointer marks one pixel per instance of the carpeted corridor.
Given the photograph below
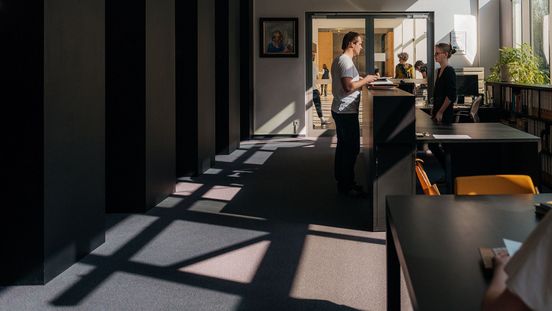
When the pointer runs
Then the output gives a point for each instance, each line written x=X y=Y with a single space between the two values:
x=262 y=230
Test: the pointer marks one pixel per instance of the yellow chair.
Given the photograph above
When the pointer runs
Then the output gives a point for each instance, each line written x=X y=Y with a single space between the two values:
x=429 y=189
x=494 y=184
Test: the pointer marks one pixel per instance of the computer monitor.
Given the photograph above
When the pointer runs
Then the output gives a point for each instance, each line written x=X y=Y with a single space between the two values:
x=466 y=85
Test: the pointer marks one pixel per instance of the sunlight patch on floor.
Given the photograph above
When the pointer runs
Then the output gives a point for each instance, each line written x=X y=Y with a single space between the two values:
x=169 y=202
x=259 y=157
x=186 y=188
x=223 y=193
x=345 y=272
x=239 y=265
x=229 y=158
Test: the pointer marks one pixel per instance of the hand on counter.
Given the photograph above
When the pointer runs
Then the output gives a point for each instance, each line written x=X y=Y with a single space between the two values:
x=369 y=79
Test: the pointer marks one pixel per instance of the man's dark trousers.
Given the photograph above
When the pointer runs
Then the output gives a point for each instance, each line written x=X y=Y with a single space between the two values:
x=348 y=148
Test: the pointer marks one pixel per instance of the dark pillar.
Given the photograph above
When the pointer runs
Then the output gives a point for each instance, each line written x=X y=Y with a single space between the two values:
x=52 y=78
x=228 y=76
x=186 y=88
x=195 y=101
x=246 y=69
x=140 y=103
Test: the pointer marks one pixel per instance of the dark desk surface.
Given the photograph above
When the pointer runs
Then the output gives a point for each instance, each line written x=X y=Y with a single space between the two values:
x=479 y=132
x=437 y=240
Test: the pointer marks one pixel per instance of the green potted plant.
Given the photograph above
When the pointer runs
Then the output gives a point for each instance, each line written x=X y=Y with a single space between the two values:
x=518 y=65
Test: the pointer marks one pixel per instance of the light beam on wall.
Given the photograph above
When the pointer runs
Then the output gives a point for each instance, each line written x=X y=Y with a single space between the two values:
x=466 y=27
x=275 y=122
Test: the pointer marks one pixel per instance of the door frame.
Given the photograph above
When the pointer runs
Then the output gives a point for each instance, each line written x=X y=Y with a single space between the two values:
x=368 y=46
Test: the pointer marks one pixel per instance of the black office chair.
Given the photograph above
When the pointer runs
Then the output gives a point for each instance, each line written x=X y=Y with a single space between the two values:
x=472 y=114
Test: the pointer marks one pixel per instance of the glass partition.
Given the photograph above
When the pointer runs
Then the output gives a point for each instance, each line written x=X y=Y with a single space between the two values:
x=539 y=31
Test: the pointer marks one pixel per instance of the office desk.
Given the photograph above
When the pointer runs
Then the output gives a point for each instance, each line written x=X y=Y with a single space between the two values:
x=494 y=148
x=435 y=240
x=486 y=113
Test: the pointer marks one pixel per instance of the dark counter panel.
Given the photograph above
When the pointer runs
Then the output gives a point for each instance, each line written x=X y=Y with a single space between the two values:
x=389 y=143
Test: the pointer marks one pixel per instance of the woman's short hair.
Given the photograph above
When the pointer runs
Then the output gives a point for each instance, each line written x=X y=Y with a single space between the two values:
x=419 y=64
x=403 y=56
x=446 y=48
x=349 y=37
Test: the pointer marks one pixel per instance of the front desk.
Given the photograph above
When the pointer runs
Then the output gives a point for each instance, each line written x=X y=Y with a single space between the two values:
x=389 y=146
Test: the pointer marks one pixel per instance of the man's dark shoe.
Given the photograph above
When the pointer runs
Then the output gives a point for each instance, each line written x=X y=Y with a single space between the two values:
x=354 y=192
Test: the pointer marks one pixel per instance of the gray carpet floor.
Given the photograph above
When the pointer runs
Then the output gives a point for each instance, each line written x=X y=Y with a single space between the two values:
x=262 y=230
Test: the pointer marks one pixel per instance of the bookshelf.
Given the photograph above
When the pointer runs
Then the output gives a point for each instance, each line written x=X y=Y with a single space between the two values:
x=527 y=107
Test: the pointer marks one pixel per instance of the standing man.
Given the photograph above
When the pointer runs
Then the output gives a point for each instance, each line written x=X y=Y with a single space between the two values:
x=346 y=85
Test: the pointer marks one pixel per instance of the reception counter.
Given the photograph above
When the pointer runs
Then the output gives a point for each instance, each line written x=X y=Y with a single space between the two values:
x=388 y=147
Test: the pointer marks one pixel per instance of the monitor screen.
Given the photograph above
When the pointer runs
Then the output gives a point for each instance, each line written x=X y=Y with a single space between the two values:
x=467 y=85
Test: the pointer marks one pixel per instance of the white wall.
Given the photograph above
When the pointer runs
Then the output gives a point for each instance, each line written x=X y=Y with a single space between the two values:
x=489 y=30
x=280 y=83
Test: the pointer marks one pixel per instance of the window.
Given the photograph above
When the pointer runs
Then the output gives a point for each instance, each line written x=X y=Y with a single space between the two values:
x=539 y=32
x=516 y=19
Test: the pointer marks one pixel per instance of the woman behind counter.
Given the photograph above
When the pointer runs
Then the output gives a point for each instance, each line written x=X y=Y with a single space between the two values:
x=444 y=96
x=444 y=92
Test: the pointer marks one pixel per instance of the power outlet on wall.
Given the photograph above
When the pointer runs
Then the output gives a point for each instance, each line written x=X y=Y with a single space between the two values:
x=295 y=126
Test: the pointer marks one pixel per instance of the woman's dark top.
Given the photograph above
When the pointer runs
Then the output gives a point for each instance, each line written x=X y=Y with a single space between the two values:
x=445 y=86
x=326 y=74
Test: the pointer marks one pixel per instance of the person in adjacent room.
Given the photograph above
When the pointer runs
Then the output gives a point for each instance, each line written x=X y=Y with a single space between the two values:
x=404 y=70
x=316 y=94
x=444 y=96
x=346 y=85
x=422 y=68
x=524 y=282
x=325 y=75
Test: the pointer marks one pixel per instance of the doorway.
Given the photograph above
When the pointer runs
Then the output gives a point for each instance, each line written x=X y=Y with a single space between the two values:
x=385 y=35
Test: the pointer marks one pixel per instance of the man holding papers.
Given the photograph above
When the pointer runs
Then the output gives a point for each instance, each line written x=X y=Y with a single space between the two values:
x=346 y=84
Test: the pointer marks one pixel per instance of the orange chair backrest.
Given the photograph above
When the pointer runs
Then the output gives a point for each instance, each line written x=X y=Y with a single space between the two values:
x=427 y=187
x=494 y=184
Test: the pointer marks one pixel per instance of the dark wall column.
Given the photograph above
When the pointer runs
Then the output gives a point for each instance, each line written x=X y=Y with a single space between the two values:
x=195 y=42
x=234 y=74
x=52 y=78
x=246 y=69
x=186 y=88
x=160 y=101
x=228 y=76
x=140 y=103
x=206 y=87
x=222 y=98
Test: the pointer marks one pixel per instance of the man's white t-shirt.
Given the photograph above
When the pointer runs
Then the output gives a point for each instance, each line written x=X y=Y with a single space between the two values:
x=530 y=269
x=344 y=102
x=315 y=76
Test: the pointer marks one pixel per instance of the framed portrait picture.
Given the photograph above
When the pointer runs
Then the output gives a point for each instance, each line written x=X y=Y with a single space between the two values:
x=278 y=37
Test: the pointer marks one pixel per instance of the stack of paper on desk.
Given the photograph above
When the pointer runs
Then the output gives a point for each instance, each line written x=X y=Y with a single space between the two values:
x=381 y=81
x=487 y=253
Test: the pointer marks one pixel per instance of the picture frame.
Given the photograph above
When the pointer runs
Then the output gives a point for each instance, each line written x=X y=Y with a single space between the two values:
x=279 y=36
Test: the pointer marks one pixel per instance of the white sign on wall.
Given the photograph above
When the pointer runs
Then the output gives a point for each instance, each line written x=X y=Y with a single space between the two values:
x=458 y=41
